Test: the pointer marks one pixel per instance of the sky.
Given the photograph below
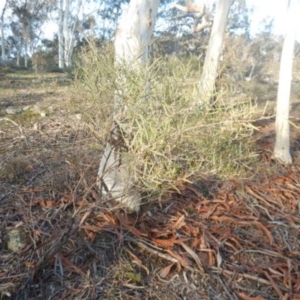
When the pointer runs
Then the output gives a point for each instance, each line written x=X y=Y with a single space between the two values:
x=268 y=8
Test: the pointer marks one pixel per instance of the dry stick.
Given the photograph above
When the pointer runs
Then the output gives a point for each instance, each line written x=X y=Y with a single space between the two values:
x=255 y=278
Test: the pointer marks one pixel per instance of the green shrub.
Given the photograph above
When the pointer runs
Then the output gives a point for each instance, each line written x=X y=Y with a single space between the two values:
x=170 y=138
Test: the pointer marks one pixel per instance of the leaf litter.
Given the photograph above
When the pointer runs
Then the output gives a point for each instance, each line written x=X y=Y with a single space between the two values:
x=238 y=240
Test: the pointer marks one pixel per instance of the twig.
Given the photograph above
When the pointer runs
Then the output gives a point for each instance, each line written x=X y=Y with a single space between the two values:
x=255 y=278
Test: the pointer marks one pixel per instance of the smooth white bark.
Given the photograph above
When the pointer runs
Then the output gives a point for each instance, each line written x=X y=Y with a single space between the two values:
x=214 y=50
x=131 y=51
x=60 y=35
x=2 y=32
x=66 y=32
x=282 y=144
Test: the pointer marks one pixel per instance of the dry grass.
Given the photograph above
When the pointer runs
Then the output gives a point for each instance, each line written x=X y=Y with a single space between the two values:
x=212 y=239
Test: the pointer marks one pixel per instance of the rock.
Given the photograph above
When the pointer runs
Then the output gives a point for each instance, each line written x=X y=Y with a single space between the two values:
x=16 y=240
x=13 y=110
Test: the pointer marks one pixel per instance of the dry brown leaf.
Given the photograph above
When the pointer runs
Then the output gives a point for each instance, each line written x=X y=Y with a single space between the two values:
x=91 y=236
x=179 y=223
x=265 y=230
x=193 y=255
x=130 y=227
x=29 y=264
x=137 y=261
x=82 y=203
x=91 y=228
x=67 y=198
x=245 y=297
x=166 y=270
x=181 y=259
x=110 y=217
x=3 y=273
x=169 y=243
x=46 y=203
x=67 y=263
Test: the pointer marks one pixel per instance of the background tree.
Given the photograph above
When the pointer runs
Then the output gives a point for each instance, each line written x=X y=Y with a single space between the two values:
x=282 y=144
x=210 y=68
x=29 y=16
x=2 y=31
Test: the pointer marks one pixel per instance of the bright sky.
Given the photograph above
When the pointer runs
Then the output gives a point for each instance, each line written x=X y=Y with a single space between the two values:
x=265 y=8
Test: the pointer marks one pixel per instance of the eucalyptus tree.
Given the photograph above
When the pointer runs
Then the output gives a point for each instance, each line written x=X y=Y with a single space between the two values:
x=2 y=30
x=16 y=40
x=131 y=52
x=282 y=144
x=30 y=15
x=214 y=50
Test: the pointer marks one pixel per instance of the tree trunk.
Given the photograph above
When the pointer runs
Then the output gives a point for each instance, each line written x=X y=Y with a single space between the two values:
x=214 y=50
x=282 y=144
x=131 y=51
x=18 y=52
x=26 y=54
x=2 y=33
x=71 y=42
x=60 y=36
x=66 y=33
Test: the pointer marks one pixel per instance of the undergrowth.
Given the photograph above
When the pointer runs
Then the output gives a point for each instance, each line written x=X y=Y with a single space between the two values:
x=170 y=137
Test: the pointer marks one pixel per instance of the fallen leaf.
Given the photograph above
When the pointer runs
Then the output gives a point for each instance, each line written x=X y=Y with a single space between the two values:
x=181 y=259
x=66 y=262
x=46 y=203
x=91 y=228
x=193 y=255
x=165 y=271
x=138 y=262
x=245 y=297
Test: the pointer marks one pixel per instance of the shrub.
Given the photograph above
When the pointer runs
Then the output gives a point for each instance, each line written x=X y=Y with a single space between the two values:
x=170 y=138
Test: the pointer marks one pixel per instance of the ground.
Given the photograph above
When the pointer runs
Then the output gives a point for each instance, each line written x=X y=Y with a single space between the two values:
x=213 y=239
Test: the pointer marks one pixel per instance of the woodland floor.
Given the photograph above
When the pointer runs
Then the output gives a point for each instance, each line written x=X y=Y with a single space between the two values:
x=237 y=239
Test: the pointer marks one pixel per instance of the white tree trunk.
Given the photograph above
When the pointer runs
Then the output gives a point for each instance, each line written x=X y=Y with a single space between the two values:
x=60 y=35
x=66 y=32
x=71 y=42
x=282 y=144
x=26 y=53
x=214 y=50
x=131 y=50
x=2 y=32
x=18 y=52
x=2 y=42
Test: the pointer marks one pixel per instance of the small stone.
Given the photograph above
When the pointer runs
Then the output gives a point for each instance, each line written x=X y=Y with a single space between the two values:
x=13 y=110
x=16 y=240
